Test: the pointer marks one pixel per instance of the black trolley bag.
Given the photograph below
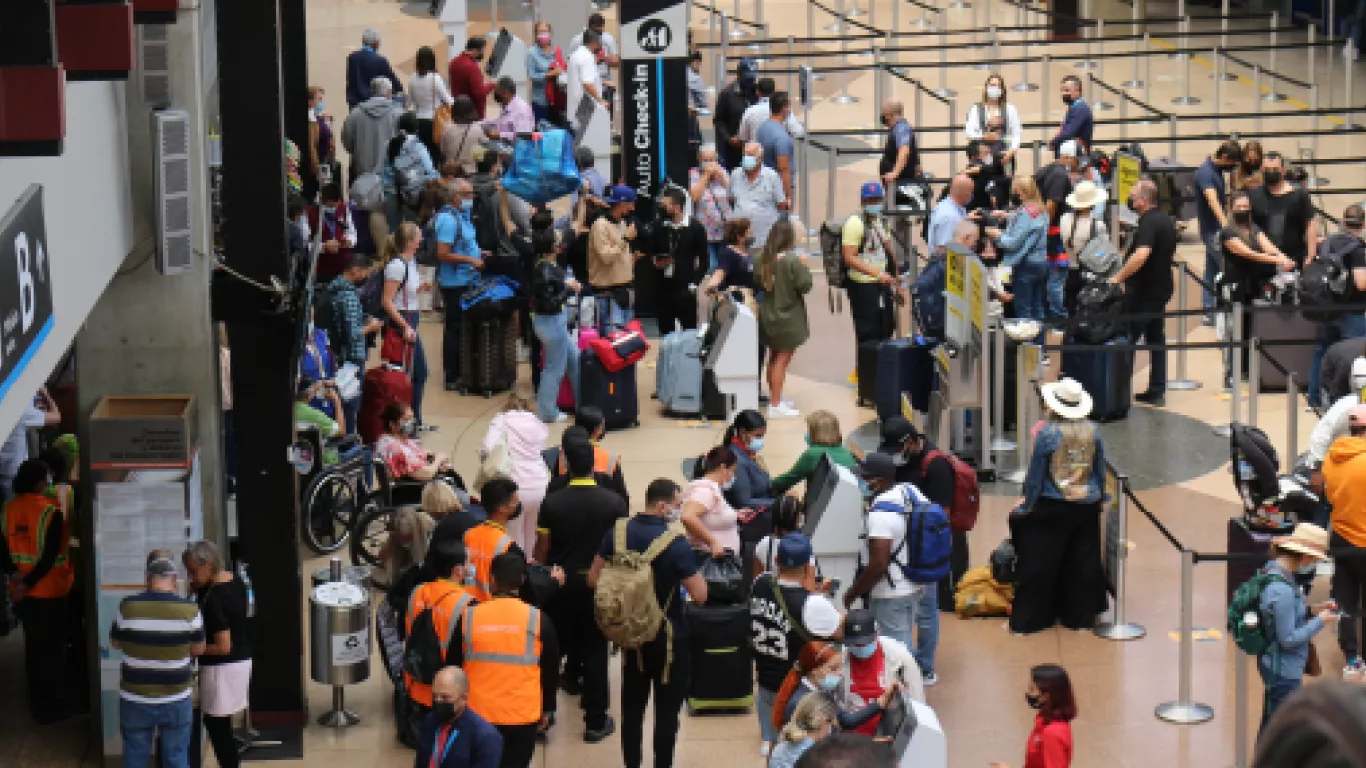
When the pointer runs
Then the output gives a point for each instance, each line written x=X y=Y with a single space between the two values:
x=488 y=354
x=614 y=393
x=722 y=677
x=1107 y=376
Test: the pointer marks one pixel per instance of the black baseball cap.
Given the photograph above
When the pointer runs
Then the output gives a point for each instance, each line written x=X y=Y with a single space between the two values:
x=876 y=465
x=896 y=430
x=859 y=627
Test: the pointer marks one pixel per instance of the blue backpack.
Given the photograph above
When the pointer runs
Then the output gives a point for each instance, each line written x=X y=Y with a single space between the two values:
x=927 y=298
x=928 y=540
x=543 y=167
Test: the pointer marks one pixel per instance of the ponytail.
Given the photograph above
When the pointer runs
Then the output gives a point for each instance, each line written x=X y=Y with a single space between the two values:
x=811 y=656
x=748 y=420
x=814 y=711
x=398 y=242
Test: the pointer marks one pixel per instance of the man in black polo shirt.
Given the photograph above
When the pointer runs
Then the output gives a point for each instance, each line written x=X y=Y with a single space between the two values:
x=1284 y=211
x=572 y=524
x=1055 y=184
x=1147 y=280
x=650 y=668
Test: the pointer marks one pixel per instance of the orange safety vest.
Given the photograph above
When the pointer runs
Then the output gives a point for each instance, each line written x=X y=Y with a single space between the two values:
x=448 y=601
x=484 y=542
x=604 y=461
x=502 y=645
x=27 y=518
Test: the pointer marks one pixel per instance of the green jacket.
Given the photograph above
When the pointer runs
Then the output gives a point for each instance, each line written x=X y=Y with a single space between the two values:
x=806 y=464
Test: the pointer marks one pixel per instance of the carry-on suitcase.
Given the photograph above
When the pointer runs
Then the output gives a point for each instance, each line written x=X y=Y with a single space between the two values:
x=903 y=366
x=1106 y=376
x=488 y=355
x=384 y=384
x=614 y=393
x=678 y=373
x=722 y=678
x=1285 y=322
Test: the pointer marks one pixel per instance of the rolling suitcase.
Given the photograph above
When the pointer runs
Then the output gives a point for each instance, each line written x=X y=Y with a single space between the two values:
x=488 y=355
x=678 y=373
x=383 y=384
x=1106 y=376
x=722 y=674
x=1284 y=323
x=614 y=393
x=903 y=366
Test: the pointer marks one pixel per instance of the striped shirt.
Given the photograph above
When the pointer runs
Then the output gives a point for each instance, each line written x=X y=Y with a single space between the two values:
x=155 y=631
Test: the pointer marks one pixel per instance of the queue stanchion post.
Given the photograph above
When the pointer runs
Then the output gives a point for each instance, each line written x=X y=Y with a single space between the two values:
x=1123 y=119
x=1182 y=31
x=872 y=12
x=1147 y=80
x=1118 y=628
x=1240 y=680
x=1171 y=135
x=1038 y=155
x=1292 y=414
x=723 y=52
x=1090 y=33
x=1217 y=58
x=1224 y=11
x=810 y=21
x=896 y=17
x=1310 y=45
x=1183 y=711
x=844 y=96
x=879 y=90
x=1138 y=15
x=944 y=91
x=804 y=163
x=791 y=70
x=999 y=442
x=993 y=62
x=953 y=120
x=832 y=162
x=919 y=102
x=493 y=19
x=737 y=30
x=1254 y=378
x=1348 y=59
x=1181 y=383
x=1314 y=178
x=1186 y=99
x=1235 y=367
x=980 y=16
x=1271 y=93
x=1257 y=88
x=1101 y=104
x=711 y=27
x=1024 y=86
x=1044 y=62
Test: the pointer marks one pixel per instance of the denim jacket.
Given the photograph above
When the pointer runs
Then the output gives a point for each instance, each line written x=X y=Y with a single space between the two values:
x=752 y=488
x=1283 y=603
x=1026 y=236
x=1039 y=482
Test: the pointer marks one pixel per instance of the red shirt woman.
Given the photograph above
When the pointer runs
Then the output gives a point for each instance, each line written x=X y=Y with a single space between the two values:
x=1050 y=743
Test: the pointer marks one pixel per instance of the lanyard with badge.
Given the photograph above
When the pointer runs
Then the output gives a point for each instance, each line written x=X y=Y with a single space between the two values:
x=439 y=752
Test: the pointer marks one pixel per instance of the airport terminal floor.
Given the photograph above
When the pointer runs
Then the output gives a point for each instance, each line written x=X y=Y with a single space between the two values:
x=1177 y=465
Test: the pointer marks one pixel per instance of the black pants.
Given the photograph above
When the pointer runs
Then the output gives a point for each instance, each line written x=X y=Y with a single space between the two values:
x=450 y=335
x=571 y=610
x=220 y=737
x=1152 y=331
x=1349 y=575
x=675 y=304
x=958 y=565
x=45 y=622
x=870 y=305
x=1058 y=572
x=519 y=745
x=424 y=135
x=636 y=686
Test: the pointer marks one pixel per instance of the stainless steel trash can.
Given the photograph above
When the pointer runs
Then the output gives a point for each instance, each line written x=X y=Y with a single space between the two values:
x=352 y=574
x=340 y=643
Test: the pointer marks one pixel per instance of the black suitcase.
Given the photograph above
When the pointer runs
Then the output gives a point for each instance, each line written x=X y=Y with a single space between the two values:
x=866 y=368
x=903 y=367
x=722 y=670
x=488 y=355
x=1284 y=323
x=614 y=393
x=1243 y=540
x=1106 y=376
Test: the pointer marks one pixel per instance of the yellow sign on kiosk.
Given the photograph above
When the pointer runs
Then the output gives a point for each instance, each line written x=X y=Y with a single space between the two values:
x=1127 y=170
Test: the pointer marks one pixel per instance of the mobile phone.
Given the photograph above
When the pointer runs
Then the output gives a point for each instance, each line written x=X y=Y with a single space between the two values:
x=834 y=586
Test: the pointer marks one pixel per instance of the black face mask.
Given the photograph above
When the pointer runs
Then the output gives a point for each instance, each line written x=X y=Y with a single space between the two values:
x=1242 y=217
x=518 y=513
x=444 y=712
x=1015 y=198
x=1068 y=99
x=1033 y=701
x=1272 y=178
x=1251 y=167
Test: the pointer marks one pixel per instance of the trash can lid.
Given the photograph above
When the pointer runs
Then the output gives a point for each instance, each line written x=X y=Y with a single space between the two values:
x=338 y=594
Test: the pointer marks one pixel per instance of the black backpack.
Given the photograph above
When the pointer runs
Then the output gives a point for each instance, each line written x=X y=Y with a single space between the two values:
x=1323 y=282
x=424 y=654
x=1097 y=305
x=325 y=315
x=832 y=253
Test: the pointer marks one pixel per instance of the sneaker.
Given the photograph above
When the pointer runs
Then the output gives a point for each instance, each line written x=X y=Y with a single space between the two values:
x=765 y=748
x=1150 y=397
x=929 y=678
x=789 y=404
x=1353 y=670
x=609 y=727
x=781 y=411
x=853 y=377
x=561 y=417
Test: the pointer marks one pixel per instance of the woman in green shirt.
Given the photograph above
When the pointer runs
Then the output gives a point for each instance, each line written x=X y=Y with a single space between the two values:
x=823 y=437
x=785 y=280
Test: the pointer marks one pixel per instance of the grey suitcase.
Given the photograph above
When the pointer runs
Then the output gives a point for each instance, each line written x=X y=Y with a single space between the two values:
x=678 y=373
x=1285 y=323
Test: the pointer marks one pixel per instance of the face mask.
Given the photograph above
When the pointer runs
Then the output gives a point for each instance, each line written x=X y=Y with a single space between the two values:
x=863 y=651
x=1015 y=198
x=1068 y=99
x=994 y=92
x=749 y=163
x=466 y=205
x=865 y=489
x=409 y=427
x=1251 y=167
x=543 y=39
x=444 y=712
x=1308 y=570
x=1272 y=178
x=756 y=444
x=729 y=484
x=807 y=438
x=318 y=107
x=750 y=241
x=874 y=209
x=517 y=513
x=830 y=683
x=1033 y=701
x=1242 y=217
x=675 y=513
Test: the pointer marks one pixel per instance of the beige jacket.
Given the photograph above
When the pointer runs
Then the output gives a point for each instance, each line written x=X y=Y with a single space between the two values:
x=609 y=255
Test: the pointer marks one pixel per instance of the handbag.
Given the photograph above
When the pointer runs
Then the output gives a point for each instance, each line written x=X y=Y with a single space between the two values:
x=440 y=119
x=394 y=348
x=498 y=462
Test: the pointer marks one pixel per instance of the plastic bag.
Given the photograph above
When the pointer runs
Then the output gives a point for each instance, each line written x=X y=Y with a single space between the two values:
x=543 y=167
x=725 y=577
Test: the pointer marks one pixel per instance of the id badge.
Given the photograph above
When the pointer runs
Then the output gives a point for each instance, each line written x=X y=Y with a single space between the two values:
x=669 y=270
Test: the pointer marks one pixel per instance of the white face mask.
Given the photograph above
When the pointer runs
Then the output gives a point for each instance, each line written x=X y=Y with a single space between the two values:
x=994 y=92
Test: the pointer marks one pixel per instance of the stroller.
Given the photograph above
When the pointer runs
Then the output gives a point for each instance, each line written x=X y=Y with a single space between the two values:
x=1272 y=502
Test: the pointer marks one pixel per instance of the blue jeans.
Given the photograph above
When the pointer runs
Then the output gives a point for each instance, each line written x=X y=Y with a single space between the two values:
x=926 y=628
x=764 y=699
x=168 y=723
x=419 y=372
x=561 y=359
x=1351 y=325
x=351 y=412
x=1278 y=689
x=1029 y=284
x=1057 y=290
x=895 y=616
x=1214 y=264
x=617 y=315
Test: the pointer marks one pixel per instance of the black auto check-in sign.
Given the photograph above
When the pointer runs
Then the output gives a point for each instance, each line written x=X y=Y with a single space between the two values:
x=25 y=285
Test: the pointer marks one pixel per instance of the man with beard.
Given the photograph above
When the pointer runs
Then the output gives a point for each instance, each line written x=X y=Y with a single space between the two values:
x=467 y=74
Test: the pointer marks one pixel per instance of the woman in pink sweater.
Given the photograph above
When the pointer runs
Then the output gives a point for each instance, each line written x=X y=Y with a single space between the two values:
x=526 y=436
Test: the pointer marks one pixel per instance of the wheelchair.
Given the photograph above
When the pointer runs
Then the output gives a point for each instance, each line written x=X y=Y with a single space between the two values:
x=371 y=529
x=333 y=496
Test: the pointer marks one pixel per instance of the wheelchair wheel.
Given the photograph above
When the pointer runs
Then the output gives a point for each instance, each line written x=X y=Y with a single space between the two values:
x=329 y=511
x=371 y=531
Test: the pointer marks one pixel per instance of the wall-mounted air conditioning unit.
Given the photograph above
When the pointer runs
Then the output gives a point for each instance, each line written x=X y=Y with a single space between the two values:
x=154 y=65
x=171 y=159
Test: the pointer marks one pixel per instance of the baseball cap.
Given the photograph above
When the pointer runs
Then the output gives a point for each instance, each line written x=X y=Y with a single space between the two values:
x=747 y=68
x=794 y=550
x=161 y=566
x=859 y=627
x=896 y=430
x=1357 y=416
x=870 y=190
x=621 y=194
x=877 y=465
x=1067 y=149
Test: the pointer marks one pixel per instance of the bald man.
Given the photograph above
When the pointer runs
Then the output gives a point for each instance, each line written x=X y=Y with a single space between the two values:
x=900 y=157
x=949 y=212
x=453 y=735
x=1147 y=280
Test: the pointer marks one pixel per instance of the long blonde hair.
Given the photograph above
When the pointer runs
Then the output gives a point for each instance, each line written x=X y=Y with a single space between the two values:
x=815 y=710
x=439 y=499
x=403 y=237
x=780 y=240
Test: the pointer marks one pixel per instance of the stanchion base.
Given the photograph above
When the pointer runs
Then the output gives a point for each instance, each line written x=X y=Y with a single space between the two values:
x=945 y=93
x=1186 y=101
x=817 y=77
x=922 y=23
x=1132 y=84
x=1318 y=181
x=1086 y=65
x=836 y=27
x=982 y=66
x=738 y=31
x=959 y=5
x=856 y=11
x=1002 y=445
x=1273 y=96
x=1223 y=430
x=1184 y=713
x=1015 y=476
x=1120 y=631
x=339 y=718
x=844 y=98
x=1024 y=87
x=1104 y=106
x=1183 y=385
x=1348 y=126
x=1228 y=77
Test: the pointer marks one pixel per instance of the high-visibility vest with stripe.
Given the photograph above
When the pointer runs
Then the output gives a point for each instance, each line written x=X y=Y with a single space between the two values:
x=448 y=601
x=483 y=543
x=604 y=461
x=502 y=646
x=27 y=518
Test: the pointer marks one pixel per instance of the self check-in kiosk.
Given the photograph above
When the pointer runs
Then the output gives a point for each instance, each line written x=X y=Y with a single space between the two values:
x=733 y=360
x=834 y=521
x=592 y=126
x=507 y=58
x=916 y=736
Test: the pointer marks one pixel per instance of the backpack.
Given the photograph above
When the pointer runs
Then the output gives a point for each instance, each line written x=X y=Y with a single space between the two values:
x=967 y=492
x=409 y=174
x=832 y=253
x=1256 y=639
x=325 y=315
x=1324 y=280
x=927 y=297
x=1097 y=306
x=371 y=294
x=424 y=654
x=979 y=594
x=621 y=349
x=1099 y=256
x=927 y=543
x=426 y=252
x=624 y=602
x=367 y=192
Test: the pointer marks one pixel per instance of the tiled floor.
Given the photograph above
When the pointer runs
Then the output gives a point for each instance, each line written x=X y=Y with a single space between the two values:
x=1178 y=464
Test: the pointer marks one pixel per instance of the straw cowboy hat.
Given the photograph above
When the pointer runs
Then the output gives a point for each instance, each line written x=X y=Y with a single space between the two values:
x=1067 y=398
x=1306 y=539
x=1086 y=195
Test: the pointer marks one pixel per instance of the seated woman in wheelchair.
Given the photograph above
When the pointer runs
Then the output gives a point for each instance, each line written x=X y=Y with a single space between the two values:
x=403 y=456
x=307 y=417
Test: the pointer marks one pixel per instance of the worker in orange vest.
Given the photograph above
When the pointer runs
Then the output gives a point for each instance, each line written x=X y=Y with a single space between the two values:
x=447 y=597
x=590 y=423
x=490 y=538
x=511 y=656
x=35 y=555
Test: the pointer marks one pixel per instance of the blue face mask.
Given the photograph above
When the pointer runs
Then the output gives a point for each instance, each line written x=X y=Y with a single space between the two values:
x=807 y=438
x=749 y=163
x=865 y=489
x=318 y=107
x=466 y=205
x=874 y=209
x=830 y=683
x=729 y=483
x=863 y=651
x=756 y=444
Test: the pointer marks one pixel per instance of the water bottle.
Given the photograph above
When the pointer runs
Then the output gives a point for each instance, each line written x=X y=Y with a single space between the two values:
x=569 y=274
x=251 y=594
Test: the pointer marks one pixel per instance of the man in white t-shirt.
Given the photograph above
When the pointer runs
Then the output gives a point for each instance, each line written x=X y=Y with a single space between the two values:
x=583 y=76
x=39 y=413
x=891 y=596
x=606 y=55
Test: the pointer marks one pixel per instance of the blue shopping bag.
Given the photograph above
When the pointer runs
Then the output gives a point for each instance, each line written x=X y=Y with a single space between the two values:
x=543 y=167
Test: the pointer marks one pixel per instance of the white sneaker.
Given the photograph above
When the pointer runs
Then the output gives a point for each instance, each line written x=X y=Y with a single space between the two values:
x=764 y=748
x=789 y=404
x=561 y=417
x=782 y=411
